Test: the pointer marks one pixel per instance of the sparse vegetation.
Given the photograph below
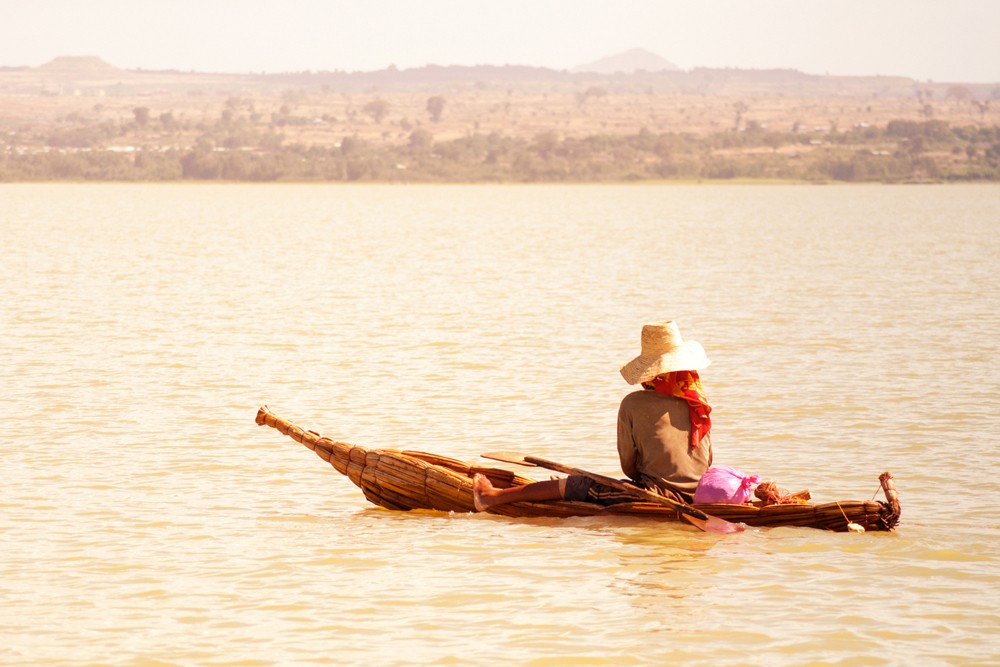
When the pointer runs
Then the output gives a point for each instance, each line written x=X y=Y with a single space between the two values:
x=377 y=109
x=729 y=125
x=435 y=107
x=903 y=151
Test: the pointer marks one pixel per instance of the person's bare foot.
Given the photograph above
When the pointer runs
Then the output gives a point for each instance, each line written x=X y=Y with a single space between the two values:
x=482 y=492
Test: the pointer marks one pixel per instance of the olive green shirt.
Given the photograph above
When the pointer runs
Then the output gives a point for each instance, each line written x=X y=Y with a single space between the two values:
x=653 y=435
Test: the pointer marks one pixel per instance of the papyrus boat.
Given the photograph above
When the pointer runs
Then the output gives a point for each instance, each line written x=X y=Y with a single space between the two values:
x=408 y=480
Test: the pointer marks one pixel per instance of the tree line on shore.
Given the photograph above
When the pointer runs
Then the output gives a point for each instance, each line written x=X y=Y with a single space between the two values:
x=901 y=151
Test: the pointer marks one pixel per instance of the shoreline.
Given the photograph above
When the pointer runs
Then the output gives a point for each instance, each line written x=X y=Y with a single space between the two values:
x=736 y=182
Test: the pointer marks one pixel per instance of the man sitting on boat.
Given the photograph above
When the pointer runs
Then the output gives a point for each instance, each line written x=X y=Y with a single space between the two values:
x=663 y=430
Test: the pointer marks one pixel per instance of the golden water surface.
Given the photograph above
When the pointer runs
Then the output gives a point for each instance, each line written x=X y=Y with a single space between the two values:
x=145 y=519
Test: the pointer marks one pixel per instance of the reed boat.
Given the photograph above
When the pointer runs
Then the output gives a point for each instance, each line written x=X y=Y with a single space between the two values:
x=407 y=480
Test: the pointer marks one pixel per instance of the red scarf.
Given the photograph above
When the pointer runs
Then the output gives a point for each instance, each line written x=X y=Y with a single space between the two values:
x=686 y=385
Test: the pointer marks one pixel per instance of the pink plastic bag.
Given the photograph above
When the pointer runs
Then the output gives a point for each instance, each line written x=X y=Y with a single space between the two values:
x=725 y=485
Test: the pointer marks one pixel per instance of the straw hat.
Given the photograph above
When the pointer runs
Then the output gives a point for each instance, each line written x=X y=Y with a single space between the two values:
x=663 y=351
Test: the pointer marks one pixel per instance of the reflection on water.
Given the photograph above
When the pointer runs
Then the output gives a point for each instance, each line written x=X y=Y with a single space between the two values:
x=146 y=518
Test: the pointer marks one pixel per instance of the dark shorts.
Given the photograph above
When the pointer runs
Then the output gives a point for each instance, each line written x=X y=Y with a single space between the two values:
x=584 y=489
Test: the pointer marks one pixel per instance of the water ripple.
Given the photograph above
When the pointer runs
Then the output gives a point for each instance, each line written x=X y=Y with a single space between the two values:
x=145 y=520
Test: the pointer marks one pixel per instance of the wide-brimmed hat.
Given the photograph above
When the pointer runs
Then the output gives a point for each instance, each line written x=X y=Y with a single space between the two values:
x=664 y=351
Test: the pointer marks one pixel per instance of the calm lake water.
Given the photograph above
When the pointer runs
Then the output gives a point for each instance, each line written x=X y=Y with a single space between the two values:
x=146 y=520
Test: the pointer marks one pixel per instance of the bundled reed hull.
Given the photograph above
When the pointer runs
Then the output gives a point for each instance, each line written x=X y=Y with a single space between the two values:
x=406 y=480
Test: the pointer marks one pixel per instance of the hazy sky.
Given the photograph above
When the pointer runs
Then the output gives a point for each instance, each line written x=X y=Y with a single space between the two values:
x=958 y=40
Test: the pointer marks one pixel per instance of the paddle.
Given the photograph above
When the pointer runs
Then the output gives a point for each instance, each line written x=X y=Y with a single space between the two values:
x=694 y=516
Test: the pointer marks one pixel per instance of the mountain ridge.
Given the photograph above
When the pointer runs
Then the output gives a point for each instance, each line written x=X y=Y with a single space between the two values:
x=628 y=62
x=91 y=75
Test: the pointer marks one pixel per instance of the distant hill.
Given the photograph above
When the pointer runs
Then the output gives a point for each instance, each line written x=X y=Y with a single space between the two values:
x=629 y=62
x=85 y=66
x=632 y=71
